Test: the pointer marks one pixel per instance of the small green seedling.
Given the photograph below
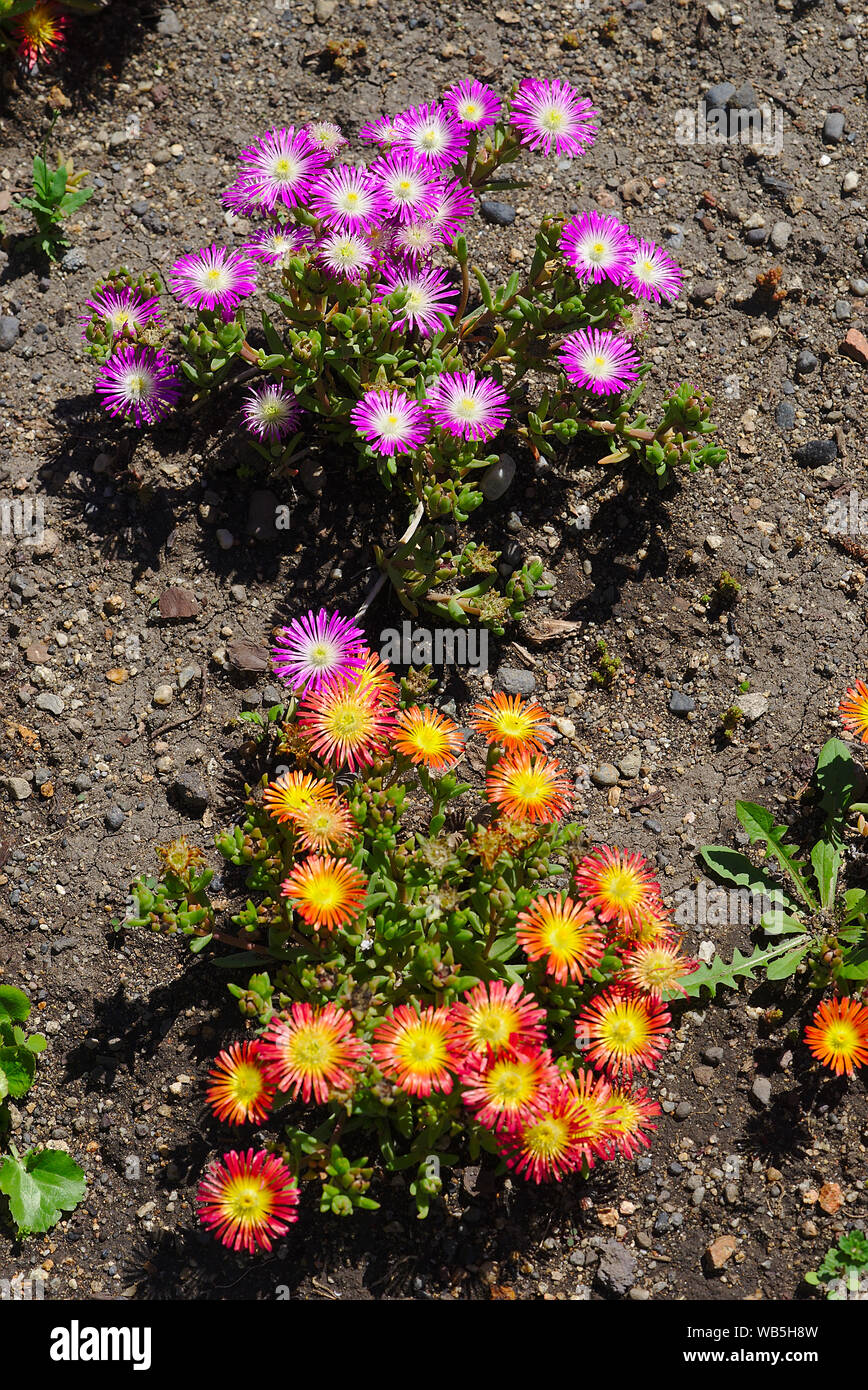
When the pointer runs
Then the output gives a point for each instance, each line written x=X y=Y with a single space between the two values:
x=56 y=194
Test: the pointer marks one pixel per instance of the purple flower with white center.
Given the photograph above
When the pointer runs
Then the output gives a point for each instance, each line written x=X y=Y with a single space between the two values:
x=345 y=254
x=139 y=382
x=282 y=166
x=317 y=649
x=382 y=243
x=416 y=241
x=454 y=203
x=122 y=311
x=429 y=298
x=274 y=244
x=597 y=247
x=326 y=136
x=385 y=131
x=391 y=421
x=271 y=411
x=473 y=103
x=348 y=198
x=651 y=274
x=468 y=406
x=599 y=360
x=434 y=135
x=551 y=116
x=407 y=184
x=213 y=278
x=246 y=197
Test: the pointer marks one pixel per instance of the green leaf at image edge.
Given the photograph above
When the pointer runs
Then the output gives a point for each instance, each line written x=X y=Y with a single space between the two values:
x=41 y=1187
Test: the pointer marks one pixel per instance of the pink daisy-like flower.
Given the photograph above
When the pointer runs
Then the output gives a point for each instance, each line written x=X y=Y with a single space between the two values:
x=434 y=135
x=454 y=203
x=407 y=185
x=213 y=278
x=247 y=197
x=551 y=116
x=468 y=406
x=326 y=136
x=122 y=311
x=416 y=241
x=282 y=165
x=597 y=247
x=391 y=421
x=599 y=360
x=247 y=1200
x=385 y=131
x=139 y=382
x=430 y=298
x=473 y=103
x=651 y=274
x=314 y=650
x=346 y=254
x=348 y=198
x=272 y=244
x=271 y=411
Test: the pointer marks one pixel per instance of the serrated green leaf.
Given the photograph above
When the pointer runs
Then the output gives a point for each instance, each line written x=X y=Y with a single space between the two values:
x=36 y=1043
x=837 y=776
x=41 y=1187
x=727 y=974
x=760 y=826
x=732 y=866
x=19 y=1066
x=785 y=966
x=14 y=1004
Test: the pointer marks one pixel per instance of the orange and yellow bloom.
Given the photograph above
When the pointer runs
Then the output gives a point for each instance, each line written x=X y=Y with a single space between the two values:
x=324 y=824
x=313 y=1052
x=248 y=1199
x=346 y=724
x=326 y=892
x=853 y=710
x=626 y=1031
x=240 y=1090
x=548 y=1146
x=635 y=1114
x=596 y=1115
x=292 y=792
x=563 y=933
x=416 y=1050
x=428 y=737
x=655 y=967
x=838 y=1035
x=619 y=887
x=494 y=1017
x=528 y=787
x=512 y=722
x=508 y=1090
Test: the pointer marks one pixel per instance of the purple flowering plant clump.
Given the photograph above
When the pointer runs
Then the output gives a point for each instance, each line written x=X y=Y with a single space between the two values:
x=382 y=333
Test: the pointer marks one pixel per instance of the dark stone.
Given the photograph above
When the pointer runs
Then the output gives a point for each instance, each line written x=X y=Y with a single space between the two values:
x=500 y=214
x=680 y=703
x=785 y=415
x=515 y=681
x=114 y=818
x=9 y=330
x=806 y=362
x=833 y=128
x=191 y=793
x=817 y=452
x=717 y=96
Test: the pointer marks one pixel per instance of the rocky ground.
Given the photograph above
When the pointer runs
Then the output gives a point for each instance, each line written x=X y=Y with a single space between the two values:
x=119 y=723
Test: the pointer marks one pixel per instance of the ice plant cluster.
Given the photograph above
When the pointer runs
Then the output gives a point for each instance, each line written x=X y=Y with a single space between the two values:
x=380 y=331
x=434 y=986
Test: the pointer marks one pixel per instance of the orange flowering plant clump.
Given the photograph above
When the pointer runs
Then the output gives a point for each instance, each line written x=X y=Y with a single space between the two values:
x=430 y=970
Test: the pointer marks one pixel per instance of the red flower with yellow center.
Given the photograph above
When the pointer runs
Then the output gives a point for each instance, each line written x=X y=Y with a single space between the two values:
x=292 y=792
x=563 y=932
x=548 y=1146
x=853 y=710
x=635 y=1113
x=507 y=1090
x=326 y=824
x=618 y=886
x=428 y=737
x=595 y=1115
x=494 y=1017
x=416 y=1050
x=627 y=1031
x=657 y=967
x=37 y=31
x=326 y=892
x=346 y=724
x=240 y=1089
x=838 y=1035
x=512 y=722
x=248 y=1199
x=375 y=675
x=313 y=1052
x=528 y=787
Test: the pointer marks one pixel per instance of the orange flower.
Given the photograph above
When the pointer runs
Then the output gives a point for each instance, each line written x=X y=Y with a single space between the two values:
x=375 y=675
x=292 y=791
x=428 y=737
x=37 y=31
x=549 y=1145
x=508 y=1090
x=627 y=1030
x=564 y=933
x=313 y=1051
x=346 y=724
x=838 y=1036
x=619 y=886
x=241 y=1090
x=527 y=786
x=657 y=967
x=416 y=1050
x=494 y=1017
x=326 y=892
x=853 y=710
x=635 y=1112
x=325 y=824
x=512 y=722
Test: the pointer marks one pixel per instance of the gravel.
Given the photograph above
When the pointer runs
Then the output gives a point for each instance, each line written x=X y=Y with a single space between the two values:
x=514 y=681
x=616 y=1272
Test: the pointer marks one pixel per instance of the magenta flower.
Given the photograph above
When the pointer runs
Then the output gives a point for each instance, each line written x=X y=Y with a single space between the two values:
x=213 y=278
x=429 y=298
x=597 y=247
x=271 y=411
x=348 y=198
x=407 y=185
x=454 y=203
x=282 y=165
x=246 y=197
x=651 y=274
x=317 y=649
x=434 y=135
x=599 y=360
x=326 y=136
x=139 y=382
x=391 y=421
x=273 y=244
x=385 y=131
x=416 y=241
x=345 y=254
x=473 y=103
x=468 y=406
x=551 y=116
x=122 y=311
